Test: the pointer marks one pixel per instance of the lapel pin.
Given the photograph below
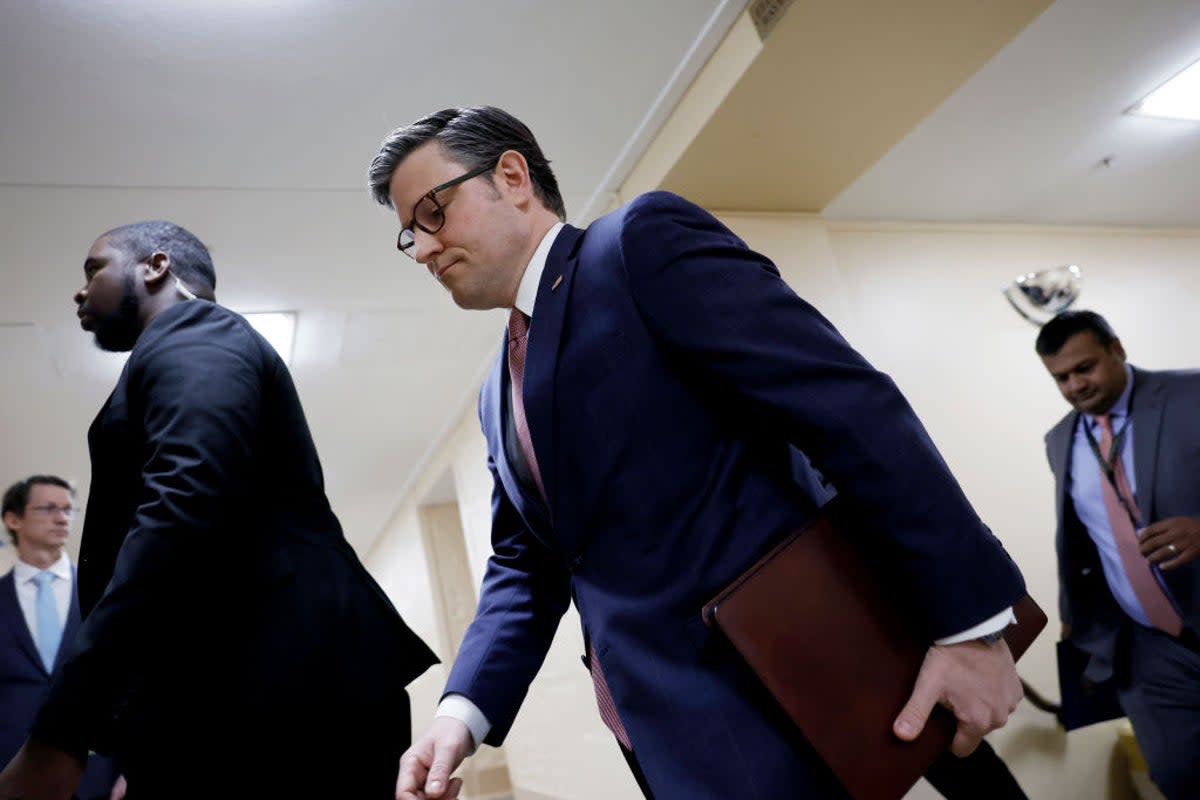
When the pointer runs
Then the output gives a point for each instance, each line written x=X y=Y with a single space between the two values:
x=557 y=281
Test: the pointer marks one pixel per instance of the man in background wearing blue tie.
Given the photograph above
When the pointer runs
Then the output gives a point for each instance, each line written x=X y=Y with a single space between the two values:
x=1126 y=462
x=287 y=662
x=39 y=610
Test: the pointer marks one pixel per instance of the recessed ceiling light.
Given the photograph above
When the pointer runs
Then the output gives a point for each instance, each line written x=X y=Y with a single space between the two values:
x=1178 y=98
x=278 y=328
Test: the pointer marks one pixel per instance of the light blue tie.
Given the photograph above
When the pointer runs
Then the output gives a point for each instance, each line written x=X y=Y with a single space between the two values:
x=49 y=629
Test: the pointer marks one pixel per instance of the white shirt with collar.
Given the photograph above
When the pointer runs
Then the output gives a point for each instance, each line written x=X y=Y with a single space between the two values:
x=23 y=575
x=463 y=709
x=531 y=279
x=456 y=705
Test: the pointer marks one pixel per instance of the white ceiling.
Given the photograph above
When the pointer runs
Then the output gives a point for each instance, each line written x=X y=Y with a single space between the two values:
x=1024 y=139
x=252 y=124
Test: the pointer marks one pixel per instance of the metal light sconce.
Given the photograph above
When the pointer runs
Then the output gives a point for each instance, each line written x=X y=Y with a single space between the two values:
x=1038 y=296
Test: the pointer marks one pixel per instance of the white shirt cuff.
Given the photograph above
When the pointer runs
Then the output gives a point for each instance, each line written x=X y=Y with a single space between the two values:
x=991 y=625
x=457 y=706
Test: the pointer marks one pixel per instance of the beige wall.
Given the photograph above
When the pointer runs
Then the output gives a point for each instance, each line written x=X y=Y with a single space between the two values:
x=398 y=563
x=923 y=304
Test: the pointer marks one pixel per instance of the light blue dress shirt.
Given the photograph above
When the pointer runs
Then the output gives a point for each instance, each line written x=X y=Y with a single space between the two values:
x=1088 y=497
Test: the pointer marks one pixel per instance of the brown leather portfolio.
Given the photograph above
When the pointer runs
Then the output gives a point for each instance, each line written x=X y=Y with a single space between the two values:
x=837 y=654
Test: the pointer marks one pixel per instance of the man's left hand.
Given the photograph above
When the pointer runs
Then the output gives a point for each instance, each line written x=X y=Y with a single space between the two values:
x=977 y=682
x=38 y=772
x=1171 y=542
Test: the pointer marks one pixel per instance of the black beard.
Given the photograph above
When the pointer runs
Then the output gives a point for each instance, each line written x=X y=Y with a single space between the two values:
x=119 y=331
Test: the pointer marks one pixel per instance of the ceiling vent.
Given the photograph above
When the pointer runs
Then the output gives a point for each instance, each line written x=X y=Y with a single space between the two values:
x=766 y=13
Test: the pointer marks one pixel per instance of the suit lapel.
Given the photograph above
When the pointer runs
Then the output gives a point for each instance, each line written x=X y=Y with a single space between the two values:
x=541 y=360
x=1148 y=402
x=73 y=621
x=1061 y=445
x=10 y=613
x=497 y=398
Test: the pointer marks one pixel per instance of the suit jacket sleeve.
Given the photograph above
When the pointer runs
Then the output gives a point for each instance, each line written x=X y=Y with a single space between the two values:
x=196 y=391
x=525 y=591
x=1054 y=452
x=725 y=312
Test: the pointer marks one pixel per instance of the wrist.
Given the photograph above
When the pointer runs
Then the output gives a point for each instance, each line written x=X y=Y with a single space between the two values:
x=995 y=637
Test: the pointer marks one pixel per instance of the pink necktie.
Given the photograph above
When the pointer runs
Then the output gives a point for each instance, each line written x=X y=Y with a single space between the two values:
x=518 y=338
x=1145 y=585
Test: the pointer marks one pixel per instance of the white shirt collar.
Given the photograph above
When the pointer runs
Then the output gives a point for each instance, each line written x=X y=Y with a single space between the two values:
x=24 y=571
x=527 y=291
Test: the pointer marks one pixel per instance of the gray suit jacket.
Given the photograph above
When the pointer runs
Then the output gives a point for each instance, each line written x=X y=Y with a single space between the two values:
x=1166 y=457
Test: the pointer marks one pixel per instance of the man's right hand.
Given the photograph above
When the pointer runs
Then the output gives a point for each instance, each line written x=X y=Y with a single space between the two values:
x=426 y=766
x=977 y=682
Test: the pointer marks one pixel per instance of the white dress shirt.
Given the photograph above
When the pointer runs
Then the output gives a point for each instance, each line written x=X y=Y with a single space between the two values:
x=456 y=705
x=532 y=277
x=23 y=575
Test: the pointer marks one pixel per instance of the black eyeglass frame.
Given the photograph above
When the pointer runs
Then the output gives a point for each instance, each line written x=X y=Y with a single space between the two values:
x=431 y=196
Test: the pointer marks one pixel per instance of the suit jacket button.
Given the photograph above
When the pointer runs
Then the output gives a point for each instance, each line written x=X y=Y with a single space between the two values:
x=576 y=563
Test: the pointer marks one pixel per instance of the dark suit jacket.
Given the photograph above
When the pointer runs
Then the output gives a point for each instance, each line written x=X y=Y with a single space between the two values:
x=670 y=372
x=23 y=684
x=223 y=608
x=1166 y=462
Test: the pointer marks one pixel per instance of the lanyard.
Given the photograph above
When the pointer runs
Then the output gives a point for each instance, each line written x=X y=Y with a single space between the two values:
x=1109 y=465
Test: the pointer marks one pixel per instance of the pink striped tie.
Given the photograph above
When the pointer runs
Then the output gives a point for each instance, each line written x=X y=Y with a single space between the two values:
x=518 y=339
x=1141 y=577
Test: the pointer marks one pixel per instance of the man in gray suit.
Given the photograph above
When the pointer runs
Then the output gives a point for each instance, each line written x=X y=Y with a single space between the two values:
x=1126 y=462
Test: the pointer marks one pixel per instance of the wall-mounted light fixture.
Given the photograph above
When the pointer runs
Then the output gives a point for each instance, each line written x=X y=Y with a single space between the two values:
x=1178 y=98
x=278 y=328
x=1038 y=296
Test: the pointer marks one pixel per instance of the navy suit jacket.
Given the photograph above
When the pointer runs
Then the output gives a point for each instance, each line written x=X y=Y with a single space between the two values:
x=24 y=681
x=1166 y=464
x=671 y=374
x=223 y=608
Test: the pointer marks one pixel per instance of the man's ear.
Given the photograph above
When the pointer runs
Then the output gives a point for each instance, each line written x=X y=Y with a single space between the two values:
x=157 y=268
x=12 y=521
x=512 y=176
x=1117 y=349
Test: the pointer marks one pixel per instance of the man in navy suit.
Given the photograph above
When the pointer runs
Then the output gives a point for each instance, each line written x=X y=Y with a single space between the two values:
x=640 y=420
x=37 y=514
x=232 y=644
x=1126 y=464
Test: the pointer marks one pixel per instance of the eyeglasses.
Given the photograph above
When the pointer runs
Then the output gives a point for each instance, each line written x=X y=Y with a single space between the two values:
x=51 y=509
x=428 y=214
